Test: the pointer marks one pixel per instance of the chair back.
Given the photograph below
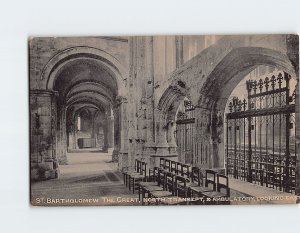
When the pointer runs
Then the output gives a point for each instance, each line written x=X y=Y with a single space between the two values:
x=155 y=174
x=161 y=162
x=143 y=168
x=179 y=168
x=161 y=177
x=210 y=178
x=169 y=182
x=180 y=186
x=185 y=170
x=223 y=184
x=167 y=165
x=174 y=167
x=197 y=176
x=137 y=165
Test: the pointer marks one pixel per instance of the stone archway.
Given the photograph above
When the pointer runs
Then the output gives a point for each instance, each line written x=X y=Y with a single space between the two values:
x=166 y=117
x=218 y=86
x=59 y=60
x=211 y=76
x=84 y=76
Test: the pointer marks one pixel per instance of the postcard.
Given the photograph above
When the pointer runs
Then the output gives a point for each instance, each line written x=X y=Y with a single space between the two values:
x=164 y=120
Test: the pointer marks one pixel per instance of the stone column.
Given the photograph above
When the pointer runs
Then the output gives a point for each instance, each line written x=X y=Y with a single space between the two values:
x=73 y=145
x=162 y=145
x=117 y=128
x=42 y=134
x=202 y=140
x=70 y=136
x=149 y=101
x=120 y=152
x=171 y=128
x=110 y=130
x=61 y=136
x=162 y=133
x=217 y=125
x=105 y=136
x=149 y=152
x=171 y=134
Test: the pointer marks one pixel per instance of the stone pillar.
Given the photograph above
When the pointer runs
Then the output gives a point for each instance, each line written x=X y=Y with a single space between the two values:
x=121 y=140
x=149 y=78
x=171 y=134
x=162 y=133
x=133 y=96
x=62 y=136
x=203 y=142
x=73 y=146
x=93 y=126
x=105 y=136
x=110 y=131
x=149 y=152
x=117 y=128
x=42 y=135
x=217 y=130
x=70 y=135
x=162 y=145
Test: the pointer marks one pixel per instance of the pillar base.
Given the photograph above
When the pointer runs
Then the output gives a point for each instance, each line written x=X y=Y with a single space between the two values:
x=115 y=155
x=123 y=161
x=63 y=160
x=43 y=171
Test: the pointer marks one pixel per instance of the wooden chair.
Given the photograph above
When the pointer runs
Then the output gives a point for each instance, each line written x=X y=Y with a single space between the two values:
x=151 y=185
x=162 y=162
x=210 y=178
x=160 y=186
x=201 y=187
x=168 y=185
x=185 y=170
x=181 y=188
x=167 y=166
x=175 y=192
x=223 y=189
x=178 y=168
x=128 y=171
x=196 y=178
x=134 y=178
x=174 y=167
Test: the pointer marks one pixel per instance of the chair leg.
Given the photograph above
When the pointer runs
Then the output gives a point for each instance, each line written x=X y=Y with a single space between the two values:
x=143 y=196
x=129 y=183
x=126 y=180
x=139 y=193
x=133 y=185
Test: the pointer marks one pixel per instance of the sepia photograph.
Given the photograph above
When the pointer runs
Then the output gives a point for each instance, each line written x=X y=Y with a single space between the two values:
x=149 y=116
x=164 y=120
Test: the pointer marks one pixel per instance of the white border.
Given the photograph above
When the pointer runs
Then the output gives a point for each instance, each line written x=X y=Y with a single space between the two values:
x=19 y=20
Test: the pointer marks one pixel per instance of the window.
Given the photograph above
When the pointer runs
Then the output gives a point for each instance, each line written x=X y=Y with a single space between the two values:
x=78 y=123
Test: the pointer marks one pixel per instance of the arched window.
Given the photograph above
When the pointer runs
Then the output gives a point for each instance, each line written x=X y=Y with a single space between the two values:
x=78 y=123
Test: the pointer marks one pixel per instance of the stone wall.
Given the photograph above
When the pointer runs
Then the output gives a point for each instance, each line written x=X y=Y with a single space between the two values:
x=42 y=134
x=42 y=49
x=154 y=74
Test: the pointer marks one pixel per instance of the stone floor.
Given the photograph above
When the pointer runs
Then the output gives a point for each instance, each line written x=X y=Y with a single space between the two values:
x=260 y=194
x=90 y=178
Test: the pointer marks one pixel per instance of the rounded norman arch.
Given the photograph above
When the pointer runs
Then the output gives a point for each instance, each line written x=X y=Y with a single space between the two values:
x=59 y=60
x=219 y=84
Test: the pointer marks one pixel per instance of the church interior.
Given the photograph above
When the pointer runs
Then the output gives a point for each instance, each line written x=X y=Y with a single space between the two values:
x=164 y=119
